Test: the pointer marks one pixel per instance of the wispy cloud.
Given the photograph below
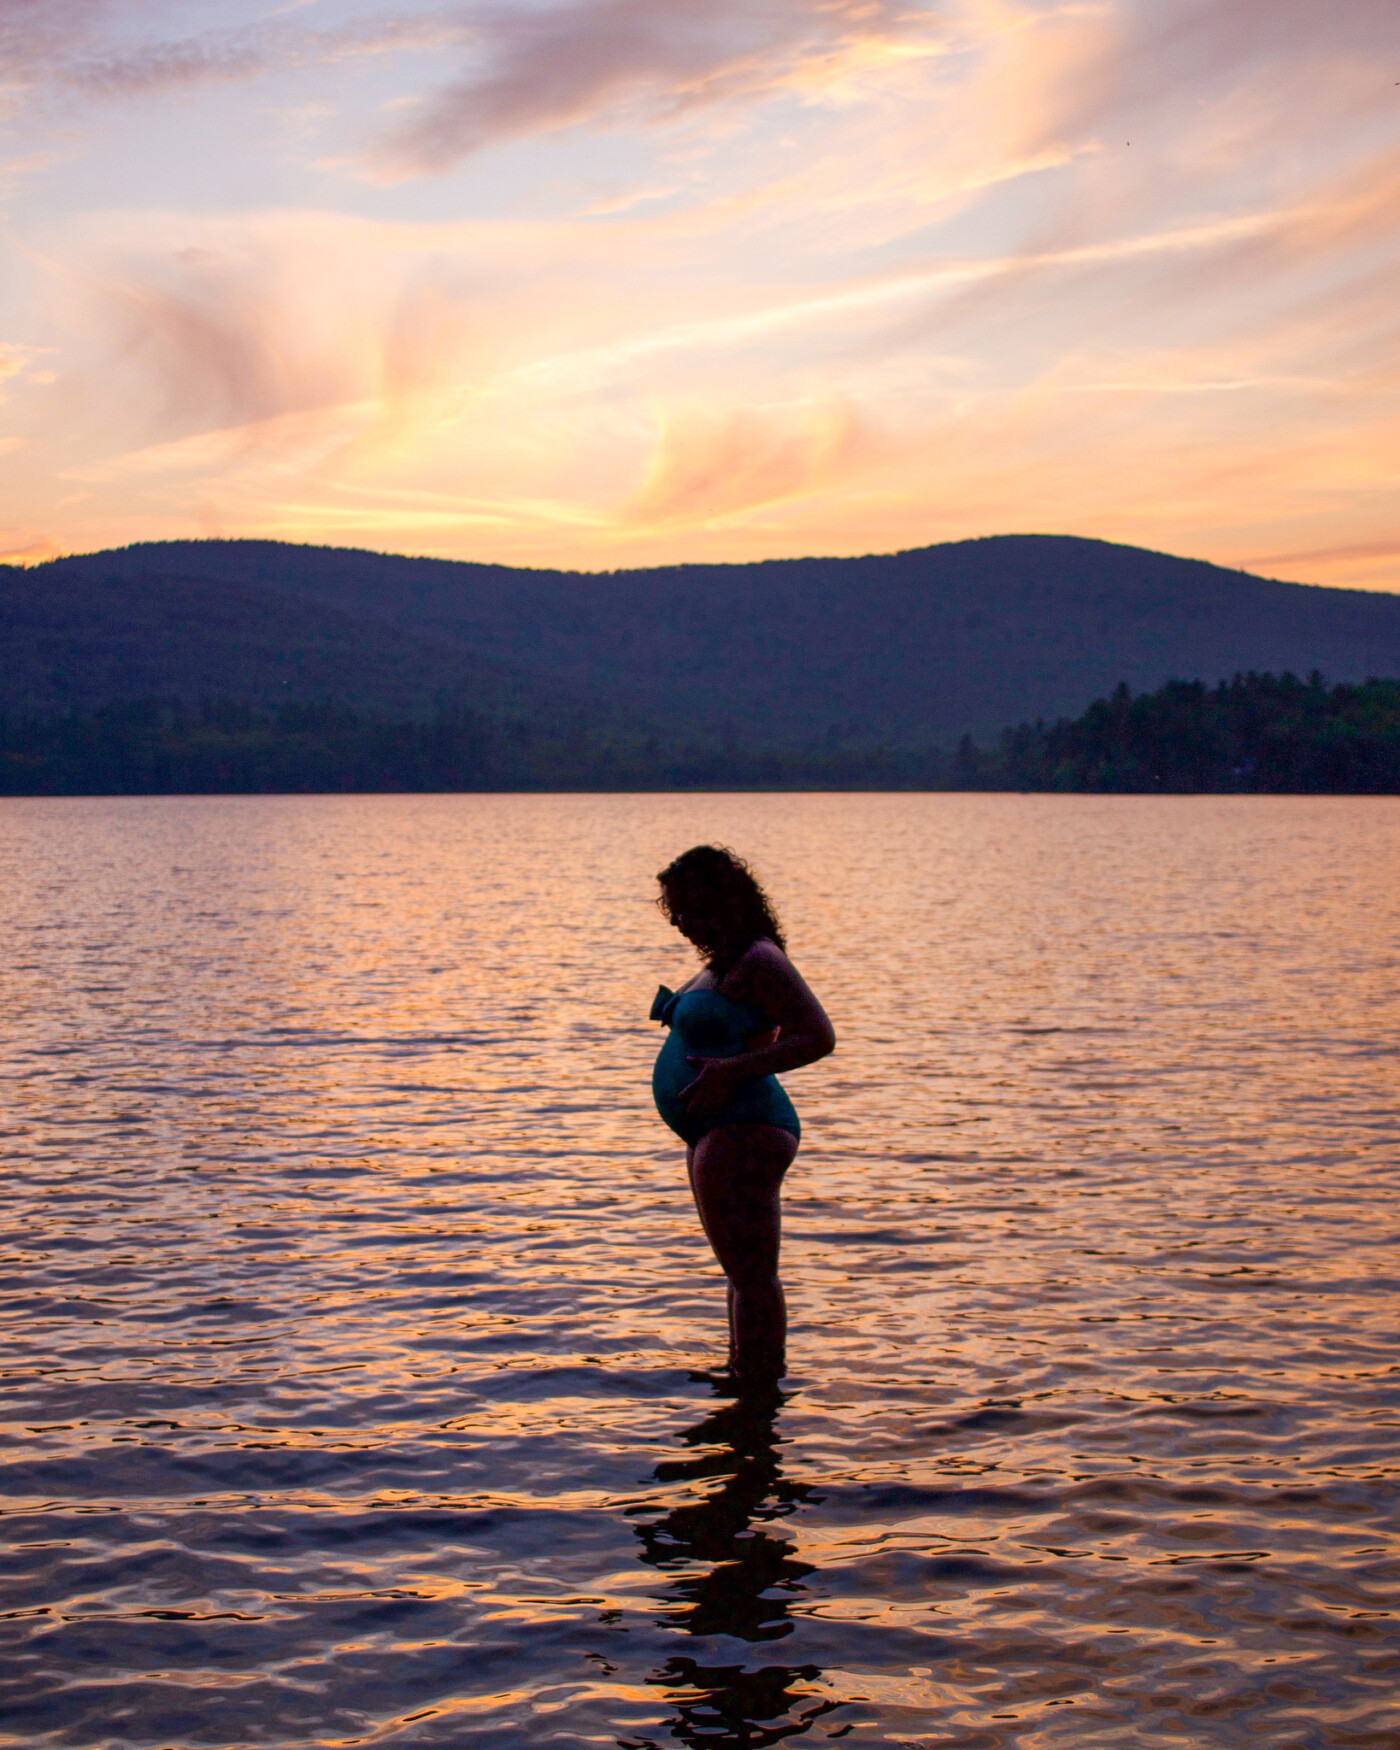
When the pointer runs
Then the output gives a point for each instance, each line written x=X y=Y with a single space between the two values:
x=211 y=345
x=1150 y=65
x=527 y=68
x=39 y=35
x=709 y=464
x=551 y=67
x=821 y=275
x=1389 y=549
x=223 y=55
x=251 y=323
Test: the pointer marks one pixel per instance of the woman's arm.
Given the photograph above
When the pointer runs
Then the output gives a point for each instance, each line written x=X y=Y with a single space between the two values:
x=768 y=980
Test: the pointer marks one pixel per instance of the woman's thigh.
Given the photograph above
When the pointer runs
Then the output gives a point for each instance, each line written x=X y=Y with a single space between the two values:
x=736 y=1171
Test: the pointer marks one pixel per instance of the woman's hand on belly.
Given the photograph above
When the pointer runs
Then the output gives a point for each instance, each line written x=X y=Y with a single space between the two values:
x=712 y=1089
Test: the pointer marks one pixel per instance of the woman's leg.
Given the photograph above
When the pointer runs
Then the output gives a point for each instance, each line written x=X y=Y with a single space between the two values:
x=736 y=1171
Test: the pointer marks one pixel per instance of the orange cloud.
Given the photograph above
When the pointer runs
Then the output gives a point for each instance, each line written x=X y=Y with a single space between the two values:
x=708 y=465
x=859 y=276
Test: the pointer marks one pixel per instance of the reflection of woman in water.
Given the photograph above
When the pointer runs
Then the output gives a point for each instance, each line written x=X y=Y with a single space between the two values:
x=744 y=1016
x=733 y=1578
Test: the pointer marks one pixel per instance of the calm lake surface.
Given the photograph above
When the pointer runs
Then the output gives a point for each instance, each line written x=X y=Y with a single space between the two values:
x=358 y=1324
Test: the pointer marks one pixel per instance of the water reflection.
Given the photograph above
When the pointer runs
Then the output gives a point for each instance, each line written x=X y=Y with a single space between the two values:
x=351 y=1282
x=733 y=1577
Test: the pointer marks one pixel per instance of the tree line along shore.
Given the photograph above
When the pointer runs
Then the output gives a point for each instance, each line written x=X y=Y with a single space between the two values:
x=1255 y=734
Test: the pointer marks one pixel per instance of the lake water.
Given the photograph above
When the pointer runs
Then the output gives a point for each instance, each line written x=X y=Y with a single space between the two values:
x=358 y=1324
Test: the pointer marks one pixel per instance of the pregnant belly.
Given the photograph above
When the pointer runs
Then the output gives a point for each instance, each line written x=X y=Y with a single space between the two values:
x=760 y=1100
x=673 y=1071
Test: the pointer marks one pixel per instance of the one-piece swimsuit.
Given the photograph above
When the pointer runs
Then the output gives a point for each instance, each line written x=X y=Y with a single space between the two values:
x=704 y=1023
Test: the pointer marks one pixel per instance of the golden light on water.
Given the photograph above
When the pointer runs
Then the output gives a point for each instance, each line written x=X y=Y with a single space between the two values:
x=361 y=1320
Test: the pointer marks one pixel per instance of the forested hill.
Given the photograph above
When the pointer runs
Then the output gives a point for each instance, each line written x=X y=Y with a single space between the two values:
x=907 y=650
x=1257 y=734
x=84 y=633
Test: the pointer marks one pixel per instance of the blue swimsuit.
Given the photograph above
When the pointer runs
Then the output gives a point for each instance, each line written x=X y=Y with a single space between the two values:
x=705 y=1024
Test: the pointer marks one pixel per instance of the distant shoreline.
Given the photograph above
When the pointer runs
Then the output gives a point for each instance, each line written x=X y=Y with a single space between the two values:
x=1253 y=735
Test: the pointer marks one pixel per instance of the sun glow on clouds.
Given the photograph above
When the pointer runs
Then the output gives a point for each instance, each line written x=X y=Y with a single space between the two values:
x=621 y=281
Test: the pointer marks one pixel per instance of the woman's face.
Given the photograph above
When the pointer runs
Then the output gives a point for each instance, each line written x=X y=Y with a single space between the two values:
x=696 y=916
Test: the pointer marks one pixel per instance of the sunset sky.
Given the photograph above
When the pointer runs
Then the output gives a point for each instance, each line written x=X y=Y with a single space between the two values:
x=613 y=282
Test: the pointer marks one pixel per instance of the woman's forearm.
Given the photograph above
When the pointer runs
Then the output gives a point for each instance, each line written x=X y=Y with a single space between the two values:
x=790 y=1050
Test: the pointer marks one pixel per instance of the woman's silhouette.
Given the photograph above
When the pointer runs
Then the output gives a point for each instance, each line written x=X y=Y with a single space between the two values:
x=744 y=1016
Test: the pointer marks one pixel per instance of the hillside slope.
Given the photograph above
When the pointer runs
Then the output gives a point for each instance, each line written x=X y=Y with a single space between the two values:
x=906 y=649
x=78 y=635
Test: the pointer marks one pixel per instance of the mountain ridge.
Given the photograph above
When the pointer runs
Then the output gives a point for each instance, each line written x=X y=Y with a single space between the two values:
x=906 y=649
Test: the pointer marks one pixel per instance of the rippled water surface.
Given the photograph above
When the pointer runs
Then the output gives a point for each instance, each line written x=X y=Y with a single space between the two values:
x=358 y=1327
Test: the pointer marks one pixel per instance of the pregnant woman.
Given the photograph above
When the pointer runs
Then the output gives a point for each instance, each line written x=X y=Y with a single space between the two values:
x=744 y=1016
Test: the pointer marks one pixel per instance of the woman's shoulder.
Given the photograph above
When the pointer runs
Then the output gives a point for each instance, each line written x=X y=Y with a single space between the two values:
x=767 y=949
x=763 y=951
x=760 y=963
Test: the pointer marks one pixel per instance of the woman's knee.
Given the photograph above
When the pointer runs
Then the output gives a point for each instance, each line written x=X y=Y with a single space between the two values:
x=755 y=1284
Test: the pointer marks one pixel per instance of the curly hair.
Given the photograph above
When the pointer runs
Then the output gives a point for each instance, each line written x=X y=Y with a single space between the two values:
x=711 y=895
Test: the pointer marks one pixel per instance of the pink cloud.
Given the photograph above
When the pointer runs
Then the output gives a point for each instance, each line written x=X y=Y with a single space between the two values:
x=36 y=34
x=548 y=69
x=234 y=54
x=209 y=345
x=1156 y=56
x=70 y=46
